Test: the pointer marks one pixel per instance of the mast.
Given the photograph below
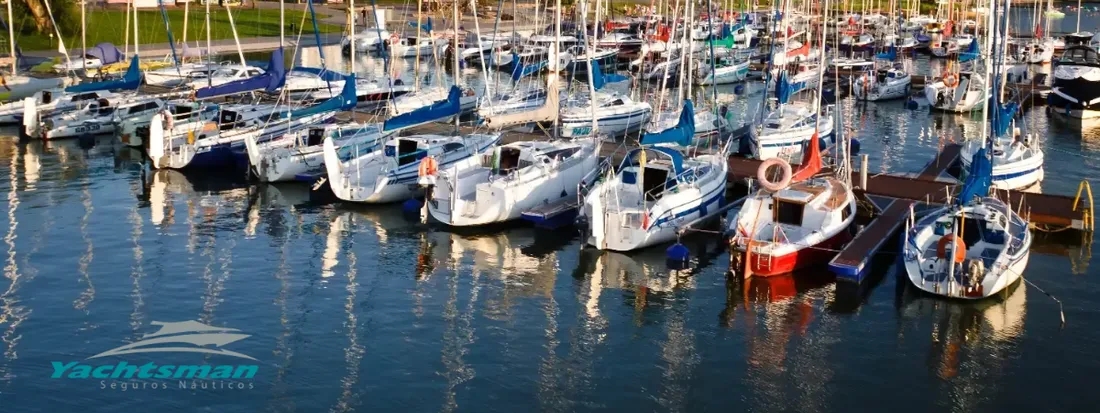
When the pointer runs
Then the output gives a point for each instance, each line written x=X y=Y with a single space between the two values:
x=1078 y=16
x=233 y=27
x=136 y=51
x=454 y=15
x=126 y=47
x=416 y=61
x=84 y=34
x=591 y=74
x=282 y=23
x=186 y=12
x=209 y=50
x=351 y=36
x=554 y=54
x=11 y=41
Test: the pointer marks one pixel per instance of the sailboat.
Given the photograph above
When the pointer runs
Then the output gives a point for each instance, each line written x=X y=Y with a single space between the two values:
x=891 y=82
x=14 y=86
x=1017 y=160
x=976 y=246
x=959 y=91
x=654 y=191
x=616 y=113
x=221 y=143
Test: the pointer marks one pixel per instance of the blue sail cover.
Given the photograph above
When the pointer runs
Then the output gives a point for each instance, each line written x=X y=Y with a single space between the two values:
x=979 y=180
x=130 y=81
x=520 y=70
x=782 y=88
x=441 y=109
x=1002 y=120
x=270 y=81
x=426 y=26
x=345 y=101
x=601 y=79
x=971 y=52
x=890 y=55
x=681 y=134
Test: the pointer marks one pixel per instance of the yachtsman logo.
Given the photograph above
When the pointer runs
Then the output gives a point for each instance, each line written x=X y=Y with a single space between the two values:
x=174 y=337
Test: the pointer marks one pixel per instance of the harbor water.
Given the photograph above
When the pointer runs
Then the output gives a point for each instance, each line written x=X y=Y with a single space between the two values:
x=356 y=308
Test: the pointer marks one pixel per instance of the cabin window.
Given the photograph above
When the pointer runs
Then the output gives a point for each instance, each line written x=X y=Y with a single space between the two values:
x=788 y=212
x=562 y=154
x=47 y=97
x=845 y=212
x=181 y=111
x=106 y=110
x=83 y=96
x=253 y=73
x=616 y=102
x=453 y=146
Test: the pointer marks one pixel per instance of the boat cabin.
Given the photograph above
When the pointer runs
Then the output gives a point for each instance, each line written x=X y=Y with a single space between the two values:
x=1079 y=55
x=1078 y=39
x=140 y=108
x=662 y=170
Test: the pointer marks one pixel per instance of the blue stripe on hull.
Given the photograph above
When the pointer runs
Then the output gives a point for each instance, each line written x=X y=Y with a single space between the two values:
x=718 y=194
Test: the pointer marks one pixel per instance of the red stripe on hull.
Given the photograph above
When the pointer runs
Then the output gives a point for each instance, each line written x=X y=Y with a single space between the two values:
x=806 y=257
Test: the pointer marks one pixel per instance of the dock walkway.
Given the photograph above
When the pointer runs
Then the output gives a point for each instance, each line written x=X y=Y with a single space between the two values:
x=851 y=263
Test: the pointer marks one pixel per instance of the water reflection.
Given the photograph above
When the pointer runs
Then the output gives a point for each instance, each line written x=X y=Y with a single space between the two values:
x=968 y=340
x=137 y=271
x=12 y=313
x=88 y=295
x=353 y=353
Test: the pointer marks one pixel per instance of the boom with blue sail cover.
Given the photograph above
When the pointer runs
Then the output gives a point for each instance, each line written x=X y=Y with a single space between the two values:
x=520 y=70
x=270 y=81
x=129 y=81
x=891 y=54
x=345 y=101
x=783 y=88
x=601 y=79
x=970 y=54
x=979 y=180
x=426 y=26
x=681 y=134
x=1002 y=120
x=438 y=110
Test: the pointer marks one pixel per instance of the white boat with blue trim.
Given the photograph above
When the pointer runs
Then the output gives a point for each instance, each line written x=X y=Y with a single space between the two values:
x=515 y=178
x=654 y=192
x=366 y=173
x=302 y=152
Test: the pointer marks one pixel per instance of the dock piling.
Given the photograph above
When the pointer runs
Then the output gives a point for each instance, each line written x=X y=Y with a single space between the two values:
x=863 y=162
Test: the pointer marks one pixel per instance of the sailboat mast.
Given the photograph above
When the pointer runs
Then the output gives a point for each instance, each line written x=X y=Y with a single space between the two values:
x=419 y=14
x=591 y=53
x=126 y=41
x=11 y=41
x=1078 y=16
x=454 y=15
x=136 y=51
x=83 y=33
x=209 y=50
x=186 y=13
x=282 y=22
x=990 y=34
x=554 y=55
x=351 y=35
x=233 y=27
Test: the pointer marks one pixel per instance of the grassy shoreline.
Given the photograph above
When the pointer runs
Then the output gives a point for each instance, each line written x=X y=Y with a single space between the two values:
x=109 y=26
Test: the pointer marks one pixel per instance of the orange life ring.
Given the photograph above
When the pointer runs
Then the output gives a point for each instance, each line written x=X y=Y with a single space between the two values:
x=394 y=38
x=951 y=80
x=784 y=180
x=427 y=166
x=960 y=248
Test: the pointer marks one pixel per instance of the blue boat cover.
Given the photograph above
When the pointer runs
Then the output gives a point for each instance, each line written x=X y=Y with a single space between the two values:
x=600 y=79
x=441 y=109
x=1002 y=120
x=270 y=81
x=129 y=81
x=345 y=101
x=971 y=52
x=980 y=178
x=782 y=88
x=426 y=26
x=520 y=70
x=106 y=53
x=890 y=55
x=677 y=159
x=681 y=134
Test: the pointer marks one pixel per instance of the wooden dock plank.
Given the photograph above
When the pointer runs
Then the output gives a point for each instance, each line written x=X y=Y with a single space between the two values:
x=851 y=263
x=943 y=160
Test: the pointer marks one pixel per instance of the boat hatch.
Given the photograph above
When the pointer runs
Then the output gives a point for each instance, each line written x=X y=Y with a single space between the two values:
x=616 y=102
x=315 y=136
x=253 y=72
x=408 y=151
x=787 y=212
x=508 y=160
x=76 y=98
x=562 y=153
x=229 y=119
x=654 y=181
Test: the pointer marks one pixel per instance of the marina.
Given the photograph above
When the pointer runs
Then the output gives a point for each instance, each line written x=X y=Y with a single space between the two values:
x=583 y=208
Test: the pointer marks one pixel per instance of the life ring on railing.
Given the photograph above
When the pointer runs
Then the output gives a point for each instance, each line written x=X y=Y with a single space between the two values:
x=394 y=39
x=960 y=248
x=784 y=180
x=951 y=80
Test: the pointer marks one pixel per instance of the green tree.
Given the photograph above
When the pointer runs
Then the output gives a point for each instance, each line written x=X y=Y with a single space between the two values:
x=32 y=16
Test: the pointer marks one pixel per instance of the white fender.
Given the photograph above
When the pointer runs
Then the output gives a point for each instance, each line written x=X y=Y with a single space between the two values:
x=30 y=116
x=253 y=149
x=332 y=162
x=784 y=180
x=156 y=136
x=157 y=197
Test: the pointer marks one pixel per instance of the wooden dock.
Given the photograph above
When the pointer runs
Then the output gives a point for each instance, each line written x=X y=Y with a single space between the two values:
x=850 y=264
